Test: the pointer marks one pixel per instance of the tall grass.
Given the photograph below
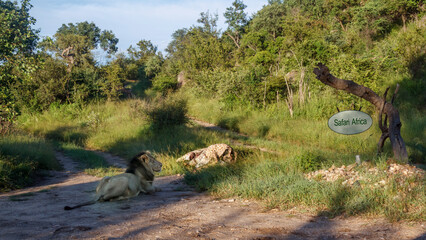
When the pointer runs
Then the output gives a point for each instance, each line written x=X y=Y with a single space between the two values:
x=26 y=147
x=414 y=132
x=278 y=181
x=273 y=127
x=21 y=156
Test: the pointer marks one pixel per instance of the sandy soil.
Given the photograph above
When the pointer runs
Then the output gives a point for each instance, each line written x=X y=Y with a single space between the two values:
x=177 y=212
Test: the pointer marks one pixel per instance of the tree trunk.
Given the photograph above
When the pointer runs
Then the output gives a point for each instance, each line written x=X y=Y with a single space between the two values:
x=404 y=27
x=289 y=99
x=69 y=58
x=341 y=24
x=394 y=130
x=235 y=39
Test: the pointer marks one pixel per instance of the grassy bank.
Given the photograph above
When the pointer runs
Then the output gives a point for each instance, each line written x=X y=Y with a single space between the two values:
x=280 y=183
x=21 y=156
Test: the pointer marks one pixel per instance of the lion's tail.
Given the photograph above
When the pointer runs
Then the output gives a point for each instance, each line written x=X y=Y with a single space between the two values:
x=80 y=205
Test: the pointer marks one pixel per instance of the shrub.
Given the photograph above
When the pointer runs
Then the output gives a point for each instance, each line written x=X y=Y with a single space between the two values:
x=230 y=123
x=15 y=173
x=164 y=112
x=308 y=161
x=164 y=83
x=46 y=86
x=28 y=148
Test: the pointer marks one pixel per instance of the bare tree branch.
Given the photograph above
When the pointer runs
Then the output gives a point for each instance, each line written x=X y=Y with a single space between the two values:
x=394 y=129
x=236 y=40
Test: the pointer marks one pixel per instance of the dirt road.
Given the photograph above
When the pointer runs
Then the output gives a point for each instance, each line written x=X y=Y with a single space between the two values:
x=177 y=212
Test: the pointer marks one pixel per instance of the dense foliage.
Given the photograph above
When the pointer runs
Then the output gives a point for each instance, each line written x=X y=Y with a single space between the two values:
x=375 y=43
x=17 y=43
x=255 y=62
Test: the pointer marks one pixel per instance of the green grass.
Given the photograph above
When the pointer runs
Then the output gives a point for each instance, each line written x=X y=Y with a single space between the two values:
x=119 y=128
x=90 y=162
x=276 y=179
x=414 y=133
x=278 y=183
x=21 y=156
x=26 y=147
x=275 y=129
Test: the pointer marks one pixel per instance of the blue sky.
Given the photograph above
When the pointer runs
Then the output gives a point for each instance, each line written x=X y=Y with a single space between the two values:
x=132 y=20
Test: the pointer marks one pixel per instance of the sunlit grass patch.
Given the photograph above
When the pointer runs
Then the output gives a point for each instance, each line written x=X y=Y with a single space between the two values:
x=90 y=162
x=30 y=148
x=279 y=183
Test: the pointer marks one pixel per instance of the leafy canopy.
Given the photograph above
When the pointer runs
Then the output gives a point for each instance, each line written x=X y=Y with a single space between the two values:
x=17 y=44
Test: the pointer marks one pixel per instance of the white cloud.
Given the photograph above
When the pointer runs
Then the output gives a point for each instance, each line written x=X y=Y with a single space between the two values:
x=132 y=20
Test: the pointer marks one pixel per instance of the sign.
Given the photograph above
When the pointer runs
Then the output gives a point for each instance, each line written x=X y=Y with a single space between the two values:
x=350 y=122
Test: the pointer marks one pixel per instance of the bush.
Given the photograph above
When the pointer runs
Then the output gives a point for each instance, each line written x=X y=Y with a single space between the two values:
x=164 y=83
x=20 y=157
x=46 y=86
x=165 y=112
x=230 y=123
x=234 y=88
x=309 y=161
x=15 y=173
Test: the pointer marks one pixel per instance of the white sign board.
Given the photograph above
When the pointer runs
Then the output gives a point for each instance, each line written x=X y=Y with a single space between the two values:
x=350 y=122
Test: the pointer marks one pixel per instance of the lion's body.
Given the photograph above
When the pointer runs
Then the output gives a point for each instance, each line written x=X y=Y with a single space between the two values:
x=122 y=186
x=138 y=178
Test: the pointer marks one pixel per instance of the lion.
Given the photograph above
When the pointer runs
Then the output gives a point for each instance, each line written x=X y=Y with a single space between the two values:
x=137 y=178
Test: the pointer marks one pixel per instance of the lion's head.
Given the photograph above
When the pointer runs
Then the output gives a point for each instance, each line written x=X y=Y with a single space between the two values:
x=152 y=162
x=145 y=164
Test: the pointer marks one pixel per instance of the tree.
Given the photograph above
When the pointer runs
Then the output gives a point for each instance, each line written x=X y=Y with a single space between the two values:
x=74 y=43
x=208 y=23
x=404 y=8
x=46 y=85
x=17 y=38
x=393 y=132
x=17 y=43
x=198 y=48
x=146 y=50
x=236 y=19
x=269 y=19
x=340 y=11
x=178 y=38
x=153 y=65
x=113 y=79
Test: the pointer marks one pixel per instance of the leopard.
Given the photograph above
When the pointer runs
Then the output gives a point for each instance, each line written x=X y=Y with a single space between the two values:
x=217 y=153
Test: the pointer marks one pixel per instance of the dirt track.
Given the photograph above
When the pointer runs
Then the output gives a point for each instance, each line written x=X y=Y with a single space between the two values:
x=177 y=212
